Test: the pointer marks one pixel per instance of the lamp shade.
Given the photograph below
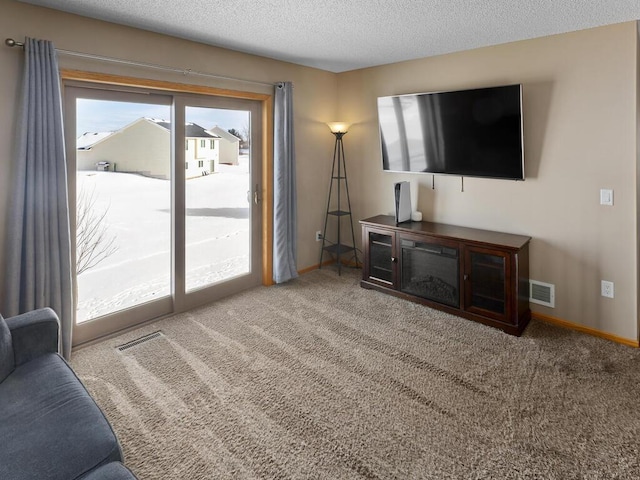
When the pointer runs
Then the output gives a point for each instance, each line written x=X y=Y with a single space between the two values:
x=339 y=127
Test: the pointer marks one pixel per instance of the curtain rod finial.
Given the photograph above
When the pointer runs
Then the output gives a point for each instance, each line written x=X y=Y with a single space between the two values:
x=10 y=42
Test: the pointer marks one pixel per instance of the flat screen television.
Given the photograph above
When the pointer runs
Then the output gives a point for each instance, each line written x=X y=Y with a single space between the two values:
x=474 y=133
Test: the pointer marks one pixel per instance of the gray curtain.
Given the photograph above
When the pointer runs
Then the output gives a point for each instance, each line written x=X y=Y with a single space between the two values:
x=284 y=188
x=38 y=272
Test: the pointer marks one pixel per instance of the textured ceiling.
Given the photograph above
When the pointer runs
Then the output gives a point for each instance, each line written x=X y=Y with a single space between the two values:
x=341 y=35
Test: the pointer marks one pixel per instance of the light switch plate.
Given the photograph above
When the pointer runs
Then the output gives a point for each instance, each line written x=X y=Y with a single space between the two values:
x=606 y=196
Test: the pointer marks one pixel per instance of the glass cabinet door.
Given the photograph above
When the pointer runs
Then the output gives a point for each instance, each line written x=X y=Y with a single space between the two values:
x=486 y=280
x=381 y=259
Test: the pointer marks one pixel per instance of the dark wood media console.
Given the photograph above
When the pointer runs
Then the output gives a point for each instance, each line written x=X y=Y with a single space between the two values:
x=476 y=274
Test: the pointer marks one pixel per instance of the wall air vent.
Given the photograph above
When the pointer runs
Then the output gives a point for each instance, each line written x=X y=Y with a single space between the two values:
x=138 y=341
x=542 y=293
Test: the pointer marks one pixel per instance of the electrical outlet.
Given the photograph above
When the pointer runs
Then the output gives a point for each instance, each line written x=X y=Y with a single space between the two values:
x=319 y=236
x=606 y=289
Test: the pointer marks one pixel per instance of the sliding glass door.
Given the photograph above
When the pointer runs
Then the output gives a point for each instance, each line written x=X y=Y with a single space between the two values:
x=164 y=203
x=220 y=250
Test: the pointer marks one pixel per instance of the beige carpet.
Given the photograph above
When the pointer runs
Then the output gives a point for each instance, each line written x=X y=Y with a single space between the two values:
x=321 y=379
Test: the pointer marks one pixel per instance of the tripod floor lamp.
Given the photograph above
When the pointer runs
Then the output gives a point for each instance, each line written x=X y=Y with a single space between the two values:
x=338 y=204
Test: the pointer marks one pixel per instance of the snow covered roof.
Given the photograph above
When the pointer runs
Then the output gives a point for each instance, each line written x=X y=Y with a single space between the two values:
x=221 y=132
x=89 y=139
x=192 y=130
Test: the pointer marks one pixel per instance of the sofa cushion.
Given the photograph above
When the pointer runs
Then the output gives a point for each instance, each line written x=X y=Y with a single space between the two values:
x=110 y=471
x=49 y=425
x=7 y=360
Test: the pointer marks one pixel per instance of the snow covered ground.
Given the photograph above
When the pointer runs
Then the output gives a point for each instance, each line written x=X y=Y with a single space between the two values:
x=139 y=217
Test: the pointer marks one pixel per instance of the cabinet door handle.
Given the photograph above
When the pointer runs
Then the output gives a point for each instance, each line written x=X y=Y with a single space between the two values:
x=466 y=277
x=394 y=259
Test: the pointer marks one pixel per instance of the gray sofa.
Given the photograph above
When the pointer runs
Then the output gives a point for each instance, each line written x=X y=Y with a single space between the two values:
x=50 y=427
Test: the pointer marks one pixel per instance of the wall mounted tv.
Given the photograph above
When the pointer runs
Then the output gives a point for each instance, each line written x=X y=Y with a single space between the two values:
x=474 y=133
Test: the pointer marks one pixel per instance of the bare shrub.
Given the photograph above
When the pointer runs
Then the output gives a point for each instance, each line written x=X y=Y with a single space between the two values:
x=93 y=243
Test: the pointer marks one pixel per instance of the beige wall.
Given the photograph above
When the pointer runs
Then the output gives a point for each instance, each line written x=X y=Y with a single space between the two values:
x=580 y=119
x=315 y=100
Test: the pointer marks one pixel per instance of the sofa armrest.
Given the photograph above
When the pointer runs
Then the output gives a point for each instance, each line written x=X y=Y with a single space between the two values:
x=33 y=334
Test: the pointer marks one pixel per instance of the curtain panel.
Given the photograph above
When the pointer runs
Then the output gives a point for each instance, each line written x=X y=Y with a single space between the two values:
x=38 y=272
x=284 y=188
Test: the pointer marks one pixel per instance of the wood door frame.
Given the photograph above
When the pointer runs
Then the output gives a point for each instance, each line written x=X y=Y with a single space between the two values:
x=267 y=138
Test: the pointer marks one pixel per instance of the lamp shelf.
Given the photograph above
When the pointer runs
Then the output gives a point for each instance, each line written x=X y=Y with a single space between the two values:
x=339 y=248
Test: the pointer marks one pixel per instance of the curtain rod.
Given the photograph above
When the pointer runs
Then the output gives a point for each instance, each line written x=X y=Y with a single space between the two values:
x=10 y=42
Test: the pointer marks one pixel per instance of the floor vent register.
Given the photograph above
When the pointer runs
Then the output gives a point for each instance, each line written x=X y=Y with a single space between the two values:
x=138 y=341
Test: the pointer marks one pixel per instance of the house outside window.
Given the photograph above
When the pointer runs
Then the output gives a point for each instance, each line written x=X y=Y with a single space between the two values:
x=212 y=144
x=186 y=144
x=186 y=165
x=203 y=143
x=200 y=163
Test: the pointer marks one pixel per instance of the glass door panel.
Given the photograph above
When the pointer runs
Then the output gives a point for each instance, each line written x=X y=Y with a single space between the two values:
x=488 y=282
x=218 y=196
x=381 y=257
x=487 y=273
x=123 y=200
x=120 y=164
